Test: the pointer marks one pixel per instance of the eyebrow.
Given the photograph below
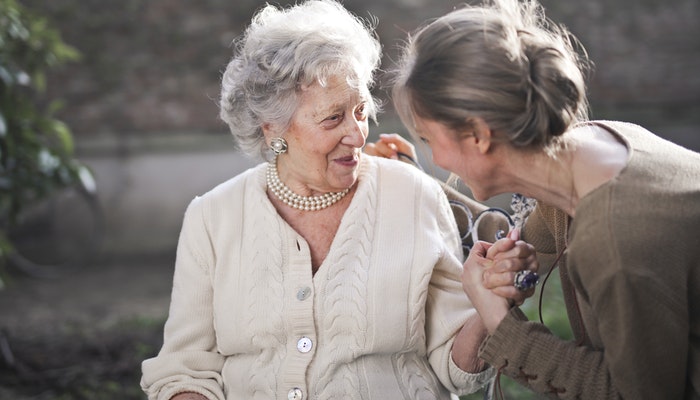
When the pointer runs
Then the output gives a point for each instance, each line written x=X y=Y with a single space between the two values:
x=334 y=107
x=330 y=108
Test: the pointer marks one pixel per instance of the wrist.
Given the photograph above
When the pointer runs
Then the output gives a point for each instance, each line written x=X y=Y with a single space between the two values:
x=188 y=396
x=494 y=318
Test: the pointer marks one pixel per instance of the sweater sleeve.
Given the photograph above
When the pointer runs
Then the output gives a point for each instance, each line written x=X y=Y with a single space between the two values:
x=188 y=360
x=448 y=308
x=530 y=354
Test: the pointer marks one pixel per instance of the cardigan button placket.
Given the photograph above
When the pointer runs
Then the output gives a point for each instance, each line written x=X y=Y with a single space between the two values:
x=301 y=329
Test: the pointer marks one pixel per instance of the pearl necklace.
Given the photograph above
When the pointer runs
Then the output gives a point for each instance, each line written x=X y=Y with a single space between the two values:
x=306 y=203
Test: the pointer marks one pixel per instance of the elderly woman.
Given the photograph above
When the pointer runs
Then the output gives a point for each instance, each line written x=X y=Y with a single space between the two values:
x=498 y=93
x=309 y=276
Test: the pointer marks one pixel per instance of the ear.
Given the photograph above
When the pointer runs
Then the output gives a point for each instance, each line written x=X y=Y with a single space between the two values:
x=267 y=131
x=482 y=134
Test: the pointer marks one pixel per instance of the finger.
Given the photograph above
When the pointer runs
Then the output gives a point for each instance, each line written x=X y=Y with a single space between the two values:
x=514 y=265
x=518 y=249
x=380 y=149
x=500 y=246
x=532 y=263
x=514 y=296
x=480 y=248
x=371 y=149
x=514 y=234
x=401 y=143
x=386 y=149
x=493 y=280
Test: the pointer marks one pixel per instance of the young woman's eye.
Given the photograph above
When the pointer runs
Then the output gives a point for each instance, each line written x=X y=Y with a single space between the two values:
x=424 y=140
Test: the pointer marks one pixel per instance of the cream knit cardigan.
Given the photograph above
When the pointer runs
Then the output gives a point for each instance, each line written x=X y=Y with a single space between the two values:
x=380 y=315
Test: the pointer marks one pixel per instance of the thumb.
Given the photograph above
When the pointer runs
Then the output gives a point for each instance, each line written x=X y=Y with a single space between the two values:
x=514 y=234
x=480 y=249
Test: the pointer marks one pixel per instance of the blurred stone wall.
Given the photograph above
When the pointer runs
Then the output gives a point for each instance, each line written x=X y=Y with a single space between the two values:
x=142 y=102
x=153 y=66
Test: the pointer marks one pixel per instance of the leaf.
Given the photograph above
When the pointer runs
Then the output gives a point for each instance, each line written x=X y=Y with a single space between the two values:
x=62 y=133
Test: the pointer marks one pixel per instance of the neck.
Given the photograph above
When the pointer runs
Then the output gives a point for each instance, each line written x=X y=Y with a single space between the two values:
x=590 y=157
x=549 y=179
x=304 y=203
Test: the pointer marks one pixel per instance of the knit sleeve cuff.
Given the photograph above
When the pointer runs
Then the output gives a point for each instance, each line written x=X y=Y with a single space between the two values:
x=468 y=382
x=492 y=348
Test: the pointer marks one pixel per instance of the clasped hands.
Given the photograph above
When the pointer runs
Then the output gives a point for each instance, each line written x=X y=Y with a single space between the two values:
x=489 y=273
x=490 y=269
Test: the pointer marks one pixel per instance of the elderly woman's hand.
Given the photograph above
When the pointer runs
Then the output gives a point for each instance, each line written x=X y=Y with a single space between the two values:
x=188 y=396
x=390 y=145
x=488 y=277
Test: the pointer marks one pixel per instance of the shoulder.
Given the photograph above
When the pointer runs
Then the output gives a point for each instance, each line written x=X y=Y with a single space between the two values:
x=254 y=176
x=641 y=139
x=250 y=182
x=393 y=171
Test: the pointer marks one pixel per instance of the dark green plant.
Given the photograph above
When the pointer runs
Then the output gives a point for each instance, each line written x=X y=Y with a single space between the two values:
x=36 y=149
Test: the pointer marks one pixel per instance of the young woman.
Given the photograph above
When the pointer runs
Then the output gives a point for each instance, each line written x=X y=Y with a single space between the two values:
x=498 y=93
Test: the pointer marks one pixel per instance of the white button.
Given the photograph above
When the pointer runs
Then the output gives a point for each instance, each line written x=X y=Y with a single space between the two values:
x=304 y=345
x=295 y=394
x=304 y=293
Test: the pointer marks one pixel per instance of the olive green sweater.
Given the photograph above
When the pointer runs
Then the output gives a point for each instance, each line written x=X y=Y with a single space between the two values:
x=631 y=281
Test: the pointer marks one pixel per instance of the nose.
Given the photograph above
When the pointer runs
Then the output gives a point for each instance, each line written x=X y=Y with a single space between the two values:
x=356 y=133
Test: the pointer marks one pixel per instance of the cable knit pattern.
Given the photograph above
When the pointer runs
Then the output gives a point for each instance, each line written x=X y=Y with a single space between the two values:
x=412 y=368
x=345 y=300
x=264 y=305
x=376 y=321
x=416 y=385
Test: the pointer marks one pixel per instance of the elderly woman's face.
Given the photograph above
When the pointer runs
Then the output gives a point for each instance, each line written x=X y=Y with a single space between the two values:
x=325 y=137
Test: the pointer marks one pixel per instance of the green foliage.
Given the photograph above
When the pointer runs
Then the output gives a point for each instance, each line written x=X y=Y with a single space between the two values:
x=36 y=149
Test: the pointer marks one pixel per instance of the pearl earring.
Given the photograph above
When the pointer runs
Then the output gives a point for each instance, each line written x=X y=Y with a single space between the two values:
x=278 y=145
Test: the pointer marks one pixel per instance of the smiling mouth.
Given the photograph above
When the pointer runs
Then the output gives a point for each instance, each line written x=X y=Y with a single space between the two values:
x=346 y=159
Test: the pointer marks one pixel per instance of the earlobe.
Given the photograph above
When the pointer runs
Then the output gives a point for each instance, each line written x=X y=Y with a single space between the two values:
x=482 y=135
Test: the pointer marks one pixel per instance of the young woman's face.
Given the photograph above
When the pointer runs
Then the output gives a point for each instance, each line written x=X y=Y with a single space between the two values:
x=442 y=142
x=325 y=138
x=456 y=152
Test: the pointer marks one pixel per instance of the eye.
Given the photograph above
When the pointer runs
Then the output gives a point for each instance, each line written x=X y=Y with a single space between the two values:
x=332 y=121
x=361 y=112
x=424 y=140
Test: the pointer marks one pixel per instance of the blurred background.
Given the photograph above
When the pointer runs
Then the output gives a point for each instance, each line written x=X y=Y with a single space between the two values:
x=142 y=101
x=141 y=105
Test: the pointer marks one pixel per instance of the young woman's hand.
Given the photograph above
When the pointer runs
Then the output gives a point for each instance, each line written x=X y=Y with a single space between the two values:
x=507 y=262
x=390 y=145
